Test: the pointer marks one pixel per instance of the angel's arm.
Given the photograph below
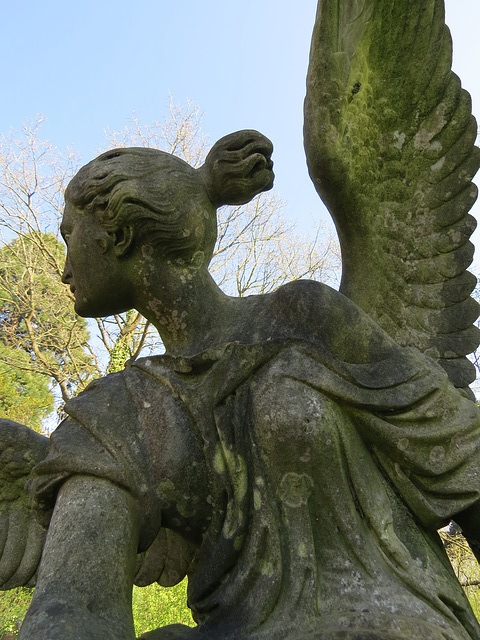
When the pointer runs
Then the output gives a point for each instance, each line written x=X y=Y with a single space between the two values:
x=86 y=575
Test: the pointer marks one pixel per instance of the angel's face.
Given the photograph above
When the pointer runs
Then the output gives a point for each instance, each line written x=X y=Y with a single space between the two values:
x=95 y=275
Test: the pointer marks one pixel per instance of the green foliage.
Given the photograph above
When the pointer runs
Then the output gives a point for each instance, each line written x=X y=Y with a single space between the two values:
x=119 y=354
x=464 y=564
x=153 y=607
x=13 y=607
x=24 y=396
x=39 y=331
x=127 y=341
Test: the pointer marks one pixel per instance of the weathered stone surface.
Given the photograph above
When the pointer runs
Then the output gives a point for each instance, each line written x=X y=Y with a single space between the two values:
x=283 y=518
x=288 y=454
x=390 y=137
x=172 y=632
x=21 y=537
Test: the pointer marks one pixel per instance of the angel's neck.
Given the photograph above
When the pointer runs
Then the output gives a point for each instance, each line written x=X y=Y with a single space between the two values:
x=190 y=315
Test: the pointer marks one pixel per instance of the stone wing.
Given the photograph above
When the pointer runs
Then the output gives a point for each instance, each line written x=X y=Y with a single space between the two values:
x=389 y=137
x=21 y=537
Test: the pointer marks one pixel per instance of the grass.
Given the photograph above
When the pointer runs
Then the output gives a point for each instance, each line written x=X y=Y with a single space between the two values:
x=13 y=607
x=153 y=607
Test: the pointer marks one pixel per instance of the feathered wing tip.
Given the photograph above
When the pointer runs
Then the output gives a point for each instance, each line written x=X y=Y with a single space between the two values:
x=389 y=137
x=21 y=537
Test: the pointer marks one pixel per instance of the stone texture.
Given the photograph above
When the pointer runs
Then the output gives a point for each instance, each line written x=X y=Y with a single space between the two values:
x=390 y=139
x=21 y=537
x=291 y=454
x=283 y=518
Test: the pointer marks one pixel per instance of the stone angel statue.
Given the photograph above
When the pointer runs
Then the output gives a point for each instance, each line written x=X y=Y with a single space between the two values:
x=294 y=453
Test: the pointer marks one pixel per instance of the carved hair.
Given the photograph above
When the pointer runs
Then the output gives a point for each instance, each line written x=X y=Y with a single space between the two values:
x=170 y=204
x=238 y=167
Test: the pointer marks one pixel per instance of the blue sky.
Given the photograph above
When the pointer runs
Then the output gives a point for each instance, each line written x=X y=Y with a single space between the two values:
x=88 y=65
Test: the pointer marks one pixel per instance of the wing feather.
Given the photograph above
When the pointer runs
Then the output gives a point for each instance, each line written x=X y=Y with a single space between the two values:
x=21 y=537
x=389 y=136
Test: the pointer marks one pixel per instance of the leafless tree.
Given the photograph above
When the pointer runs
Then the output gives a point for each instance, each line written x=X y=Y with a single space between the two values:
x=257 y=250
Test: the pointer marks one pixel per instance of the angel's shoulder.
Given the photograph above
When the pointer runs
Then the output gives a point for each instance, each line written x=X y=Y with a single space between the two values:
x=109 y=386
x=308 y=291
x=309 y=301
x=311 y=310
x=113 y=394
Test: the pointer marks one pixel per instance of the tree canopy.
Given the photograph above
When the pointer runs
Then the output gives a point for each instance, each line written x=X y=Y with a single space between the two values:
x=39 y=331
x=24 y=396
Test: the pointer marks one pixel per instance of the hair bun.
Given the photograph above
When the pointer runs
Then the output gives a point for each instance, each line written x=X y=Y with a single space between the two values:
x=238 y=167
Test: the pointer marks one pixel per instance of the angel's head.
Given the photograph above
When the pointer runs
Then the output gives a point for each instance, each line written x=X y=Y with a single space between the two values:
x=148 y=200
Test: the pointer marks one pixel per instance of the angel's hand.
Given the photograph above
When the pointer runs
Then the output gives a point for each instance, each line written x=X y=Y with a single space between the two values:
x=21 y=537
